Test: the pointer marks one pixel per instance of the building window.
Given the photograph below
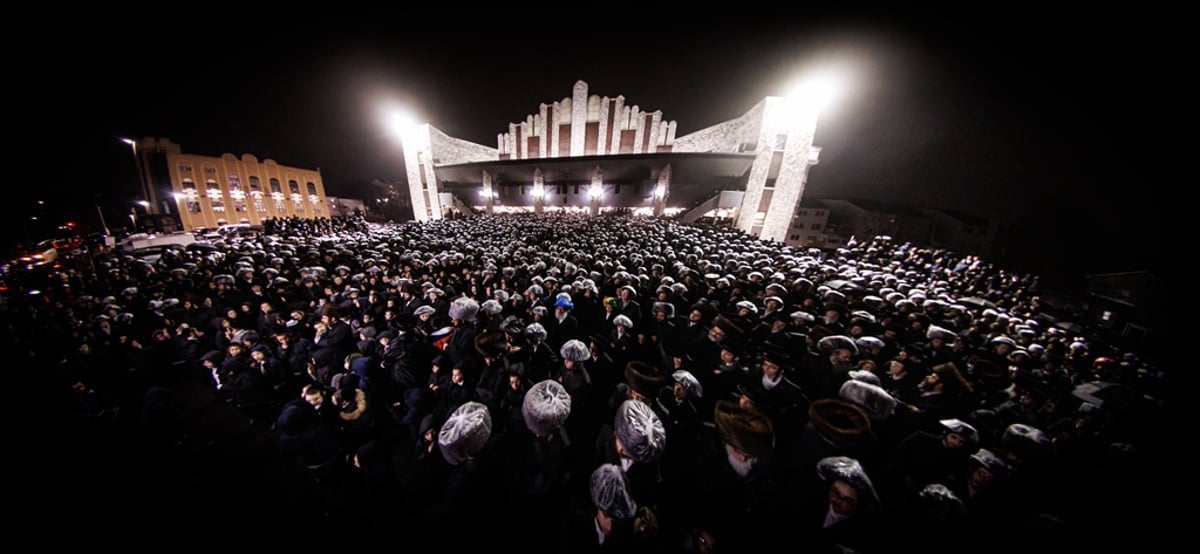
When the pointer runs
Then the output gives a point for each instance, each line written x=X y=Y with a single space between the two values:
x=255 y=186
x=780 y=141
x=312 y=188
x=237 y=194
x=794 y=237
x=297 y=200
x=210 y=170
x=259 y=205
x=816 y=226
x=275 y=186
x=190 y=196
x=215 y=196
x=185 y=169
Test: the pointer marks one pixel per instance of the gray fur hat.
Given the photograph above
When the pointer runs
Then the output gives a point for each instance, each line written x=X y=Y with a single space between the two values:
x=610 y=492
x=575 y=350
x=464 y=309
x=640 y=431
x=465 y=432
x=546 y=407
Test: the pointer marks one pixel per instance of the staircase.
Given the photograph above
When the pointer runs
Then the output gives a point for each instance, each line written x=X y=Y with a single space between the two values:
x=728 y=199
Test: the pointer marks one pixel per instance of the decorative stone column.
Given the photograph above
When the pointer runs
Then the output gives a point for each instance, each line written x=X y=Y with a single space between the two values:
x=662 y=190
x=539 y=191
x=595 y=191
x=415 y=145
x=798 y=154
x=489 y=195
x=772 y=116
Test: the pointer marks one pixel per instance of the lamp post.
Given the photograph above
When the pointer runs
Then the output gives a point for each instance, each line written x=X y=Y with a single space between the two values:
x=147 y=196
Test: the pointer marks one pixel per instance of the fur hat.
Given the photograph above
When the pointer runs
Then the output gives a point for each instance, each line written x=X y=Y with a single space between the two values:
x=843 y=424
x=689 y=382
x=644 y=378
x=465 y=432
x=424 y=309
x=849 y=471
x=574 y=350
x=640 y=431
x=876 y=401
x=731 y=329
x=748 y=431
x=546 y=407
x=1025 y=441
x=535 y=333
x=962 y=429
x=464 y=309
x=951 y=378
x=491 y=344
x=837 y=342
x=609 y=488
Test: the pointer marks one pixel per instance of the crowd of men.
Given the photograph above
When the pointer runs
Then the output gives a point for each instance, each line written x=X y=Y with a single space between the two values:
x=579 y=384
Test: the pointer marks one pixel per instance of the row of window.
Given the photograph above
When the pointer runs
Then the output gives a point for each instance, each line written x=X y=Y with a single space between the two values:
x=235 y=182
x=218 y=204
x=817 y=213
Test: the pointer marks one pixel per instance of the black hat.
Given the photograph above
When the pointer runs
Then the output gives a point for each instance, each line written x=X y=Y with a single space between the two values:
x=491 y=344
x=644 y=378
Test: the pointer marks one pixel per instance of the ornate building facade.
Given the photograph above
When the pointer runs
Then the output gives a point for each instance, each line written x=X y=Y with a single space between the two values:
x=209 y=191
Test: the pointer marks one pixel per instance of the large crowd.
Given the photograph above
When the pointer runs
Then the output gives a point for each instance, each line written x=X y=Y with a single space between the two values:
x=578 y=384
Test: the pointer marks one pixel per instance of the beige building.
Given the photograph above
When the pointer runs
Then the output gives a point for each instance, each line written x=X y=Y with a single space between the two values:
x=208 y=191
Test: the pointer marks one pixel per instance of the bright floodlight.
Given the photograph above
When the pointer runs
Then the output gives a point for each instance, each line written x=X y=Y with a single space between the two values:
x=596 y=191
x=128 y=141
x=401 y=123
x=660 y=191
x=539 y=191
x=818 y=89
x=144 y=203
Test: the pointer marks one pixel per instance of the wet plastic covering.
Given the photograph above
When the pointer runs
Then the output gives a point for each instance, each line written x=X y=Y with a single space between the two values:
x=848 y=470
x=574 y=350
x=837 y=342
x=464 y=308
x=535 y=333
x=865 y=376
x=640 y=431
x=991 y=461
x=962 y=428
x=465 y=432
x=689 y=382
x=876 y=401
x=1025 y=440
x=610 y=492
x=546 y=407
x=491 y=307
x=940 y=504
x=623 y=321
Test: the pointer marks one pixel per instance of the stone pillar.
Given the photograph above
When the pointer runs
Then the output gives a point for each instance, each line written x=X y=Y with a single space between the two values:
x=620 y=114
x=662 y=190
x=539 y=191
x=415 y=145
x=798 y=154
x=595 y=191
x=579 y=105
x=489 y=195
x=769 y=127
x=601 y=144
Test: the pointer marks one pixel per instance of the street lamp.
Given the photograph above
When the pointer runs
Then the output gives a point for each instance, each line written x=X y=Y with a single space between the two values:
x=137 y=165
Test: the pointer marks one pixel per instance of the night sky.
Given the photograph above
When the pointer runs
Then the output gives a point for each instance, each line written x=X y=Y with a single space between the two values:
x=1059 y=129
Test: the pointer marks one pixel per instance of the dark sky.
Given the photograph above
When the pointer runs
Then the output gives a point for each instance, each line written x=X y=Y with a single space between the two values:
x=1060 y=128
